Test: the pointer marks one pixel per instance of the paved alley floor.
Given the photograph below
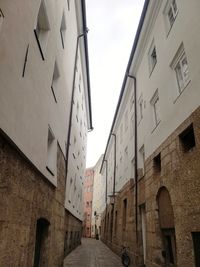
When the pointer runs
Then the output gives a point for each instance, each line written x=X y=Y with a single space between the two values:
x=92 y=253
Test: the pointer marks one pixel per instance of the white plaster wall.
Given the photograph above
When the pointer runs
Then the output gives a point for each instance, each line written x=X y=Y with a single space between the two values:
x=173 y=110
x=27 y=105
x=98 y=202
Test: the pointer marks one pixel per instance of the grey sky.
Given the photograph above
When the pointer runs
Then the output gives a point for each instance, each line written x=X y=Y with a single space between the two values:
x=112 y=26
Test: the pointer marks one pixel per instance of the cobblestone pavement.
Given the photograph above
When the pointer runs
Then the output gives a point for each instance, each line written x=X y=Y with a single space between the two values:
x=92 y=253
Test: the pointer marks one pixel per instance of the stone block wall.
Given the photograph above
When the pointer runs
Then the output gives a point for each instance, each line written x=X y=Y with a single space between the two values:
x=25 y=197
x=179 y=178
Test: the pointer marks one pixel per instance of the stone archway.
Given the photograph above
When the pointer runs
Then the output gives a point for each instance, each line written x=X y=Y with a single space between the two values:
x=167 y=226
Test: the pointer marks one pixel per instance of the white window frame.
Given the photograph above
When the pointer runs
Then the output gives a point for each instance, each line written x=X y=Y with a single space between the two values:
x=181 y=72
x=152 y=59
x=171 y=6
x=155 y=108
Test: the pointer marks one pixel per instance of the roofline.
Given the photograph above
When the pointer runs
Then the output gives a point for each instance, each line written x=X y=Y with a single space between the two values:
x=135 y=43
x=83 y=6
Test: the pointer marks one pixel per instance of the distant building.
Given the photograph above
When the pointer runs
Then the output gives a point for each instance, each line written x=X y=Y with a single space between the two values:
x=45 y=113
x=98 y=204
x=151 y=161
x=87 y=200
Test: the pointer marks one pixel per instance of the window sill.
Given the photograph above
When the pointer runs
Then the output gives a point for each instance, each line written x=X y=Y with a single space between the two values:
x=155 y=127
x=49 y=170
x=182 y=91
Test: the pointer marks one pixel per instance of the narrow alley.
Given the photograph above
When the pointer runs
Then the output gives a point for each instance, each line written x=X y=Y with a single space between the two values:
x=92 y=253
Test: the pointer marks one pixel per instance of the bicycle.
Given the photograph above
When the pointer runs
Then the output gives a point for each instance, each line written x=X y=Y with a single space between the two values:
x=125 y=257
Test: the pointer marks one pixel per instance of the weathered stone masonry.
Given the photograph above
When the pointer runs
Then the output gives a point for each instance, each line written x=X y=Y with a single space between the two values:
x=170 y=196
x=25 y=197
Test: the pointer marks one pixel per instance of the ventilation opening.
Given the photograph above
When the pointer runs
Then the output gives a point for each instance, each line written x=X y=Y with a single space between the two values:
x=157 y=163
x=187 y=139
x=63 y=30
x=42 y=28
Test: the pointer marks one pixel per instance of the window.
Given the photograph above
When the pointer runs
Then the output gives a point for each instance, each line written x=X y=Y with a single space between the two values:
x=157 y=163
x=132 y=126
x=51 y=152
x=152 y=55
x=68 y=4
x=1 y=18
x=63 y=30
x=42 y=28
x=170 y=13
x=126 y=158
x=140 y=108
x=155 y=108
x=126 y=120
x=187 y=139
x=180 y=66
x=124 y=214
x=141 y=160
x=121 y=133
x=55 y=78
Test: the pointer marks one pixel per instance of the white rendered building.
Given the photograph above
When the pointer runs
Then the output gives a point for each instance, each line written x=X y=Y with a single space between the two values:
x=45 y=114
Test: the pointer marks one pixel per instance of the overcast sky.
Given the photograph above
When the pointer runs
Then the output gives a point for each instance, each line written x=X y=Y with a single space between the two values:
x=112 y=26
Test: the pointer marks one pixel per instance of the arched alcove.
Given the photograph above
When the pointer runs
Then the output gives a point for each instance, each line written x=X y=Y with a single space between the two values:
x=41 y=243
x=167 y=226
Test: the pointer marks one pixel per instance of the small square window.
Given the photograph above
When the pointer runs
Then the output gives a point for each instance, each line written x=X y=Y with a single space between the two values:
x=187 y=139
x=157 y=163
x=152 y=55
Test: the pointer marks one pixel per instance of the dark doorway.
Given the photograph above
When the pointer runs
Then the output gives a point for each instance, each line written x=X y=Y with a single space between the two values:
x=40 y=258
x=196 y=244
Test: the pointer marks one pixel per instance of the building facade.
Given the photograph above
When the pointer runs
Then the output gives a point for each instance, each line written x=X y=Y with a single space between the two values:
x=87 y=200
x=98 y=204
x=45 y=113
x=151 y=158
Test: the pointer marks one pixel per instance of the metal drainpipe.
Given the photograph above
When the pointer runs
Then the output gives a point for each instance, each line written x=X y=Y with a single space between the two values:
x=114 y=174
x=136 y=159
x=72 y=101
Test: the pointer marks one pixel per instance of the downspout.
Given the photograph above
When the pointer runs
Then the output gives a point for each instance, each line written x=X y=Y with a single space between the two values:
x=72 y=102
x=136 y=156
x=114 y=174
